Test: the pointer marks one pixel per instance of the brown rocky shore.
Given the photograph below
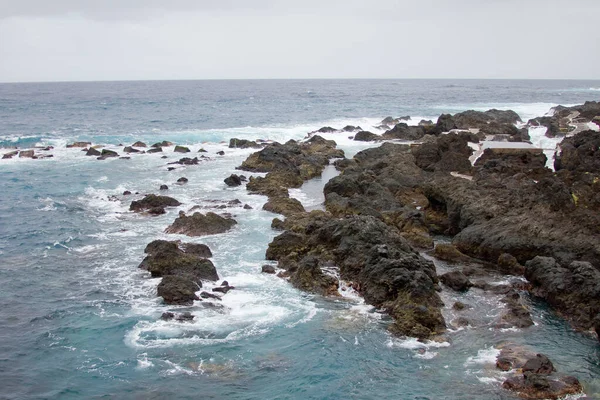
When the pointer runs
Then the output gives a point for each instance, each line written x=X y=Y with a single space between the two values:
x=507 y=212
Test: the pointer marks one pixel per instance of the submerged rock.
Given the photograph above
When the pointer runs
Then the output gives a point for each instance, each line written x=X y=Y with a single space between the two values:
x=181 y=149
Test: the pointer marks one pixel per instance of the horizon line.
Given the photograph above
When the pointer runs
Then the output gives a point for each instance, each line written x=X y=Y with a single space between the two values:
x=297 y=79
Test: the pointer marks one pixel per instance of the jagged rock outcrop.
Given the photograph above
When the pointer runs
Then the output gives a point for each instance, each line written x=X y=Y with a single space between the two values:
x=383 y=267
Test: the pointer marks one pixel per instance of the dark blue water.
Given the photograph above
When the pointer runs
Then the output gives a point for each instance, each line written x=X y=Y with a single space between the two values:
x=78 y=319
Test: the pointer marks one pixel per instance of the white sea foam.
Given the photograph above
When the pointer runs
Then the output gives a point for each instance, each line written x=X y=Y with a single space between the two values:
x=484 y=356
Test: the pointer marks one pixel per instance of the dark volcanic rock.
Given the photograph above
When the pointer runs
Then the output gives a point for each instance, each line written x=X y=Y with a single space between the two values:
x=268 y=269
x=573 y=289
x=79 y=144
x=233 y=180
x=152 y=201
x=456 y=280
x=155 y=150
x=448 y=153
x=540 y=364
x=139 y=144
x=366 y=136
x=187 y=161
x=305 y=159
x=235 y=143
x=178 y=290
x=200 y=225
x=182 y=180
x=26 y=154
x=283 y=205
x=166 y=258
x=405 y=132
x=164 y=143
x=580 y=153
x=93 y=152
x=130 y=149
x=108 y=153
x=181 y=149
x=164 y=187
x=369 y=253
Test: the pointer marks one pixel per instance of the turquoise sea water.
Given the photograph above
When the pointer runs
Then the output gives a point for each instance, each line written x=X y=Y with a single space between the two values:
x=78 y=319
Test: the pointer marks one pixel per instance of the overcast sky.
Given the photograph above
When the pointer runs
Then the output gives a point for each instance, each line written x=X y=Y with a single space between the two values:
x=67 y=40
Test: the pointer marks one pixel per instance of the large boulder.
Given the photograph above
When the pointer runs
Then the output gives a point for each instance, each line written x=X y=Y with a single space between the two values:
x=199 y=224
x=153 y=201
x=177 y=290
x=456 y=280
x=168 y=258
x=233 y=180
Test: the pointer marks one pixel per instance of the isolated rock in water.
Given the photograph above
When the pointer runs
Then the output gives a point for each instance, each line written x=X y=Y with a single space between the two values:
x=178 y=290
x=151 y=201
x=235 y=143
x=26 y=154
x=167 y=258
x=181 y=149
x=221 y=153
x=164 y=143
x=268 y=269
x=109 y=153
x=182 y=180
x=366 y=136
x=164 y=187
x=130 y=149
x=456 y=280
x=139 y=144
x=155 y=150
x=79 y=144
x=201 y=225
x=351 y=128
x=233 y=180
x=574 y=290
x=10 y=154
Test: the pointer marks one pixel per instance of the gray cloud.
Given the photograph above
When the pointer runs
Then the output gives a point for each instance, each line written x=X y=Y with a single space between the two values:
x=185 y=39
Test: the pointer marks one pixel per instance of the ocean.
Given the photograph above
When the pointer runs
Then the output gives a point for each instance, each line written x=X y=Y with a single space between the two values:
x=79 y=319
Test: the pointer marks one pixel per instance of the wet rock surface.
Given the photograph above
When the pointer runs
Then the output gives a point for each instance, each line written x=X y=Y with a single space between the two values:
x=383 y=267
x=199 y=224
x=153 y=201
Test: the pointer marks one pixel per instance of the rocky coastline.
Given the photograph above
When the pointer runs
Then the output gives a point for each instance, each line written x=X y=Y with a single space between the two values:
x=501 y=211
